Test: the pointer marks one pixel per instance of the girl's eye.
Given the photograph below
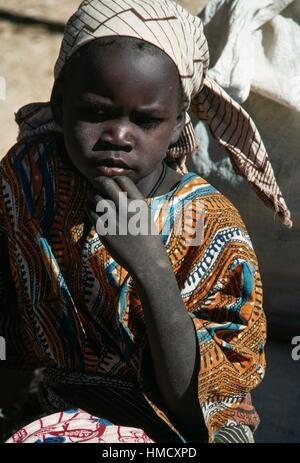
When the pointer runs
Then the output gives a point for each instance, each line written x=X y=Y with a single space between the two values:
x=93 y=114
x=148 y=123
x=99 y=115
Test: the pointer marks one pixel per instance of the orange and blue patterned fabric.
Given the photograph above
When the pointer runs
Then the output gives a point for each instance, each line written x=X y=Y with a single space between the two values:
x=68 y=306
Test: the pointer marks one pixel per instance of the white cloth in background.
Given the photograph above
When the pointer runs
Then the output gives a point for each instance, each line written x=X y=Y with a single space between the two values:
x=262 y=49
x=253 y=48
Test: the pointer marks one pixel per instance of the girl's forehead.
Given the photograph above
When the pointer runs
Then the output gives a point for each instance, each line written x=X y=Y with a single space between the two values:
x=123 y=68
x=105 y=55
x=96 y=55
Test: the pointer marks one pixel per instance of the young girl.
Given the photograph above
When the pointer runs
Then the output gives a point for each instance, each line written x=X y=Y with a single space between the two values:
x=147 y=331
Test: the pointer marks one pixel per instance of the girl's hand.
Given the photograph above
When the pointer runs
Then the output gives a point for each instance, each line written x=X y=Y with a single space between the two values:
x=123 y=220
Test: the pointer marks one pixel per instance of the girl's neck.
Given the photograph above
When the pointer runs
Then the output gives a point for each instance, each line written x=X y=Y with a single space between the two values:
x=159 y=182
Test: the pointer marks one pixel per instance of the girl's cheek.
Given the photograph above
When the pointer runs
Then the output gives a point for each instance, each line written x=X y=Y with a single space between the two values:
x=84 y=136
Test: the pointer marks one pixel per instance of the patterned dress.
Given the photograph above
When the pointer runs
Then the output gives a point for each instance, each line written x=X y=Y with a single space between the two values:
x=68 y=306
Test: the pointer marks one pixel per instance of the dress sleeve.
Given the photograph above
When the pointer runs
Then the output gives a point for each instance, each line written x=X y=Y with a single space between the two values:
x=223 y=293
x=8 y=301
x=17 y=347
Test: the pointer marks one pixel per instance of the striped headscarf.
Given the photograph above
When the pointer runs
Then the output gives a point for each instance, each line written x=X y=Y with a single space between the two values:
x=168 y=26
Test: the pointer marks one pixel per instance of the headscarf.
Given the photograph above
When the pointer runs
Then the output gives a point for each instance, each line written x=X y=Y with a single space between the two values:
x=171 y=28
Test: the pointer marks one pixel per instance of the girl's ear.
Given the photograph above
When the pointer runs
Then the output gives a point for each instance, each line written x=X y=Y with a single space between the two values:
x=56 y=103
x=178 y=127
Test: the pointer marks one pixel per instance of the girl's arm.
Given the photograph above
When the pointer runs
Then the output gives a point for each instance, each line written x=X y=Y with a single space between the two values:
x=170 y=329
x=173 y=344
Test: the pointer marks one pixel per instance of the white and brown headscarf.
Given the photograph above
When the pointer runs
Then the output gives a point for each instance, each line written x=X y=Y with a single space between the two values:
x=179 y=34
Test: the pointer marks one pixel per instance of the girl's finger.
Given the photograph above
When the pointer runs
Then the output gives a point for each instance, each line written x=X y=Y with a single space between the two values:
x=107 y=188
x=91 y=211
x=101 y=209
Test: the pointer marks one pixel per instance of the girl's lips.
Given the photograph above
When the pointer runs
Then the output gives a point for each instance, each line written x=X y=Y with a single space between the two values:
x=110 y=171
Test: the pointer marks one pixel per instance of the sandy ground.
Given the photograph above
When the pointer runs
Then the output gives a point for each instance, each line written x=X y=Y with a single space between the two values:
x=28 y=54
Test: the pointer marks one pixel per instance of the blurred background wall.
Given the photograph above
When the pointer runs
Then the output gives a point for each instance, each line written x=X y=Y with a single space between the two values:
x=30 y=35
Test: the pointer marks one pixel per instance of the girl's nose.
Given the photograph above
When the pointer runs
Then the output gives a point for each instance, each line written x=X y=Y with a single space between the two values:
x=118 y=134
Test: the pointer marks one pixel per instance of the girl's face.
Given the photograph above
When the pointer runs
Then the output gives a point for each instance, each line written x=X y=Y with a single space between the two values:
x=120 y=112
